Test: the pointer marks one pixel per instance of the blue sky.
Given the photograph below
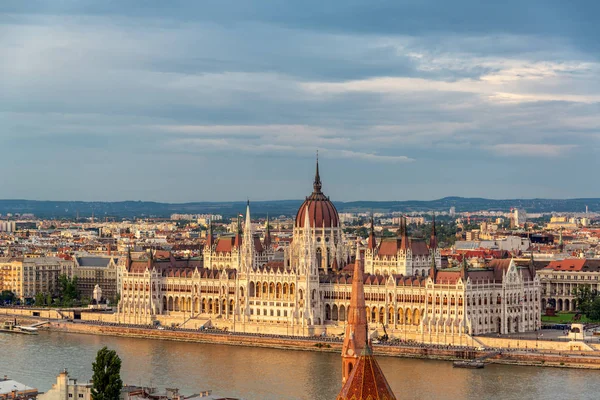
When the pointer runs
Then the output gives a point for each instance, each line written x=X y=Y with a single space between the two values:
x=223 y=100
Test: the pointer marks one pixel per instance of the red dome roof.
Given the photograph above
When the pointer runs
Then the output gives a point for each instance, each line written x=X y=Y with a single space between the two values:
x=320 y=209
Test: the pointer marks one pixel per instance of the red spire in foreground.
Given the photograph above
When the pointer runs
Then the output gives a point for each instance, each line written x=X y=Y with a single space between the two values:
x=361 y=376
x=355 y=338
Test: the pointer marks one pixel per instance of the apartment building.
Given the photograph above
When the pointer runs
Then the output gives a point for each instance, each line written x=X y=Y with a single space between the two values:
x=26 y=277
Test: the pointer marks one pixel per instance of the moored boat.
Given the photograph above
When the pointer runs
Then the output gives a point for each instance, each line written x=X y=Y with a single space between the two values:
x=12 y=327
x=473 y=364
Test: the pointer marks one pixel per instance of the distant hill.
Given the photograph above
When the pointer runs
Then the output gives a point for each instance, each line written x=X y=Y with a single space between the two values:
x=128 y=209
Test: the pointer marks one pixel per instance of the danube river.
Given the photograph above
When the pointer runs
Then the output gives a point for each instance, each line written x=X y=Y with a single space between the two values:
x=257 y=373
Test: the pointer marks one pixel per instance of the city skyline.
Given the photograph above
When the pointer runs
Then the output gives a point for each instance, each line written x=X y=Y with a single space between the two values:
x=221 y=101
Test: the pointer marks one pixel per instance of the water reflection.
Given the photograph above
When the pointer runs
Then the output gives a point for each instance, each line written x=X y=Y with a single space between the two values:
x=265 y=374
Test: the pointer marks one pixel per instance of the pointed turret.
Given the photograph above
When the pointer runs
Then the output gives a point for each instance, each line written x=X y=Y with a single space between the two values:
x=209 y=235
x=561 y=245
x=238 y=235
x=355 y=338
x=362 y=378
x=404 y=243
x=372 y=243
x=464 y=269
x=248 y=223
x=306 y=227
x=433 y=268
x=128 y=260
x=433 y=238
x=247 y=246
x=267 y=241
x=531 y=265
x=150 y=259
x=317 y=182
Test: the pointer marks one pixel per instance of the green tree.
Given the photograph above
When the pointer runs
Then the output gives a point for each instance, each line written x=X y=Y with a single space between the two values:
x=7 y=297
x=594 y=311
x=362 y=232
x=68 y=289
x=106 y=381
x=48 y=299
x=585 y=298
x=387 y=233
x=40 y=300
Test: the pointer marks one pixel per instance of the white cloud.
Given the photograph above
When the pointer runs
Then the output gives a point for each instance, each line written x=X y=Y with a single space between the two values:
x=533 y=150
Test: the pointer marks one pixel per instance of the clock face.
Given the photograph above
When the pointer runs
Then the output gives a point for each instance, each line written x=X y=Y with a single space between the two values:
x=350 y=352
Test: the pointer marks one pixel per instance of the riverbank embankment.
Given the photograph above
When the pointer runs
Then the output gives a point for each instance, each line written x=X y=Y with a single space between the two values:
x=586 y=360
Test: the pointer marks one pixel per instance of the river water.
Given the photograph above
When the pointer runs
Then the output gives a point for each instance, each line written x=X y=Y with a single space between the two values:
x=261 y=374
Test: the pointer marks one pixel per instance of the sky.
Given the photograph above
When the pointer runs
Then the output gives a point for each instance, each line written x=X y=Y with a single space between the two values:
x=181 y=101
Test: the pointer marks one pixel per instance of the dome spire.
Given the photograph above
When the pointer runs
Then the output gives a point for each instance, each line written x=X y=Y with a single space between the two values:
x=317 y=183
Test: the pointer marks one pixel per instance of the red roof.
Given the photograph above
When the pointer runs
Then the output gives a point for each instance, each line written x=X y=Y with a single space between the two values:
x=389 y=247
x=225 y=244
x=366 y=381
x=569 y=264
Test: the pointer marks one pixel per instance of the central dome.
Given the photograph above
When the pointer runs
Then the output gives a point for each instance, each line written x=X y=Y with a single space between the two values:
x=321 y=211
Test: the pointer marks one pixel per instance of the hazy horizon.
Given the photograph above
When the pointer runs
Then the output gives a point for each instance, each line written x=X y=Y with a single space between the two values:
x=179 y=101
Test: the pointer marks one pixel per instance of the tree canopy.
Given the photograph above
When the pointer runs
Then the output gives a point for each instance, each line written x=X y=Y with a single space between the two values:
x=7 y=297
x=588 y=302
x=68 y=289
x=106 y=381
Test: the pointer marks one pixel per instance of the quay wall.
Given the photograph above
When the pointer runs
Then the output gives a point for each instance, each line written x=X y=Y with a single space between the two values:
x=568 y=359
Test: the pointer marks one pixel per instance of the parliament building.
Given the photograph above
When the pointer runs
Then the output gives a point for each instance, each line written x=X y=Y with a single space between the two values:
x=246 y=283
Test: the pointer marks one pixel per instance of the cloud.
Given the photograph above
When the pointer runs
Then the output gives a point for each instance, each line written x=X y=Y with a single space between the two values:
x=529 y=83
x=532 y=150
x=257 y=89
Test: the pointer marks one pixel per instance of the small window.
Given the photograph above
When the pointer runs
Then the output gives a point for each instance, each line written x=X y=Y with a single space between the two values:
x=70 y=395
x=81 y=395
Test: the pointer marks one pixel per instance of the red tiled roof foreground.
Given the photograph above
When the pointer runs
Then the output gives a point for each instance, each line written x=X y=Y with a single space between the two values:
x=366 y=381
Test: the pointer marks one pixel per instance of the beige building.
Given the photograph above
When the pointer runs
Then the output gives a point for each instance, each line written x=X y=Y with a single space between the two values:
x=560 y=280
x=67 y=389
x=26 y=277
x=96 y=270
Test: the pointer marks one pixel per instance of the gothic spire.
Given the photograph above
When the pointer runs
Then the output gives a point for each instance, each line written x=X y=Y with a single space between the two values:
x=464 y=270
x=404 y=243
x=372 y=243
x=317 y=184
x=238 y=235
x=433 y=268
x=433 y=239
x=209 y=236
x=267 y=241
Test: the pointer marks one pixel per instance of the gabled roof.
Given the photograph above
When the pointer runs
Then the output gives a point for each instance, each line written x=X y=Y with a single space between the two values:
x=418 y=247
x=389 y=246
x=225 y=244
